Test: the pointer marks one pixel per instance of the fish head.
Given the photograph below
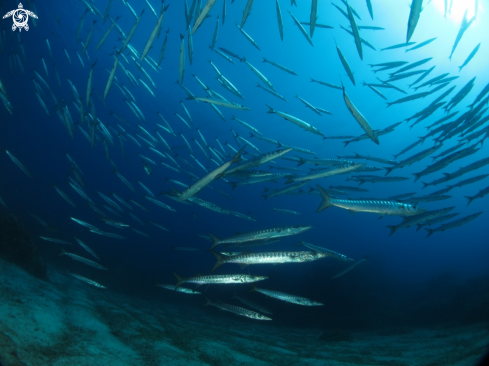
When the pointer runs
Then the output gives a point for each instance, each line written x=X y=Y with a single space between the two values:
x=410 y=210
x=251 y=278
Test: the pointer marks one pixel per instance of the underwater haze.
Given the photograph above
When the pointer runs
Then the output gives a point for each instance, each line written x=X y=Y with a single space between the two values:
x=319 y=169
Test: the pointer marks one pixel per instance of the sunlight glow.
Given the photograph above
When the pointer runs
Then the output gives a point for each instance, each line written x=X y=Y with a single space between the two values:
x=458 y=7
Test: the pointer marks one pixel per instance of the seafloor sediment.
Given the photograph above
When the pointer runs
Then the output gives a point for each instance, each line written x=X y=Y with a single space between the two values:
x=66 y=322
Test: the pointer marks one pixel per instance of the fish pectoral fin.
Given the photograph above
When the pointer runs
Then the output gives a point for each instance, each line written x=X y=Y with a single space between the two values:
x=243 y=265
x=352 y=212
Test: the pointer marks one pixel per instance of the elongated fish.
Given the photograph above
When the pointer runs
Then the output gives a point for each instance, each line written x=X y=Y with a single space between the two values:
x=87 y=280
x=279 y=20
x=203 y=14
x=215 y=174
x=236 y=310
x=356 y=33
x=180 y=289
x=276 y=232
x=416 y=7
x=301 y=28
x=345 y=66
x=257 y=160
x=246 y=12
x=328 y=172
x=88 y=38
x=18 y=163
x=463 y=27
x=218 y=279
x=306 y=126
x=360 y=118
x=286 y=297
x=153 y=36
x=83 y=260
x=469 y=57
x=379 y=207
x=266 y=257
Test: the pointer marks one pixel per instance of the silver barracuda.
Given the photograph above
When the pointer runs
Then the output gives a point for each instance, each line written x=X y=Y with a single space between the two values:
x=263 y=234
x=215 y=174
x=236 y=310
x=374 y=206
x=218 y=279
x=180 y=289
x=360 y=118
x=286 y=297
x=340 y=169
x=256 y=161
x=87 y=280
x=88 y=262
x=267 y=257
x=306 y=126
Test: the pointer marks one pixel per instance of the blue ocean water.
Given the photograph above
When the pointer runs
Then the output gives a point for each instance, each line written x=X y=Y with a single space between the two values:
x=402 y=269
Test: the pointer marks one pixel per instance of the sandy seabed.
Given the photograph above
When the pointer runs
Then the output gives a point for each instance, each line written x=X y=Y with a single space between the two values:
x=66 y=322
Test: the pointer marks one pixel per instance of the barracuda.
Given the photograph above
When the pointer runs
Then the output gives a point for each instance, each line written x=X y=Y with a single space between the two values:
x=267 y=257
x=218 y=279
x=264 y=234
x=257 y=160
x=286 y=297
x=236 y=310
x=180 y=289
x=378 y=207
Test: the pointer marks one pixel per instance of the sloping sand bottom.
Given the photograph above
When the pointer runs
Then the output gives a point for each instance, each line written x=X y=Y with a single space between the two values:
x=66 y=322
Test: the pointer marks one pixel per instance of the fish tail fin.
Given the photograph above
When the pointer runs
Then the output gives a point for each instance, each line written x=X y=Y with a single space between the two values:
x=264 y=59
x=237 y=157
x=388 y=170
x=326 y=199
x=233 y=185
x=301 y=161
x=179 y=281
x=219 y=260
x=460 y=68
x=215 y=241
x=63 y=252
x=418 y=226
x=253 y=288
x=271 y=110
x=425 y=185
x=470 y=199
x=392 y=228
x=430 y=231
x=416 y=176
x=264 y=197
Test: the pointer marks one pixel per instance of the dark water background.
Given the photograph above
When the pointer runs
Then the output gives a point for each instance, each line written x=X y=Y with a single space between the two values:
x=408 y=279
